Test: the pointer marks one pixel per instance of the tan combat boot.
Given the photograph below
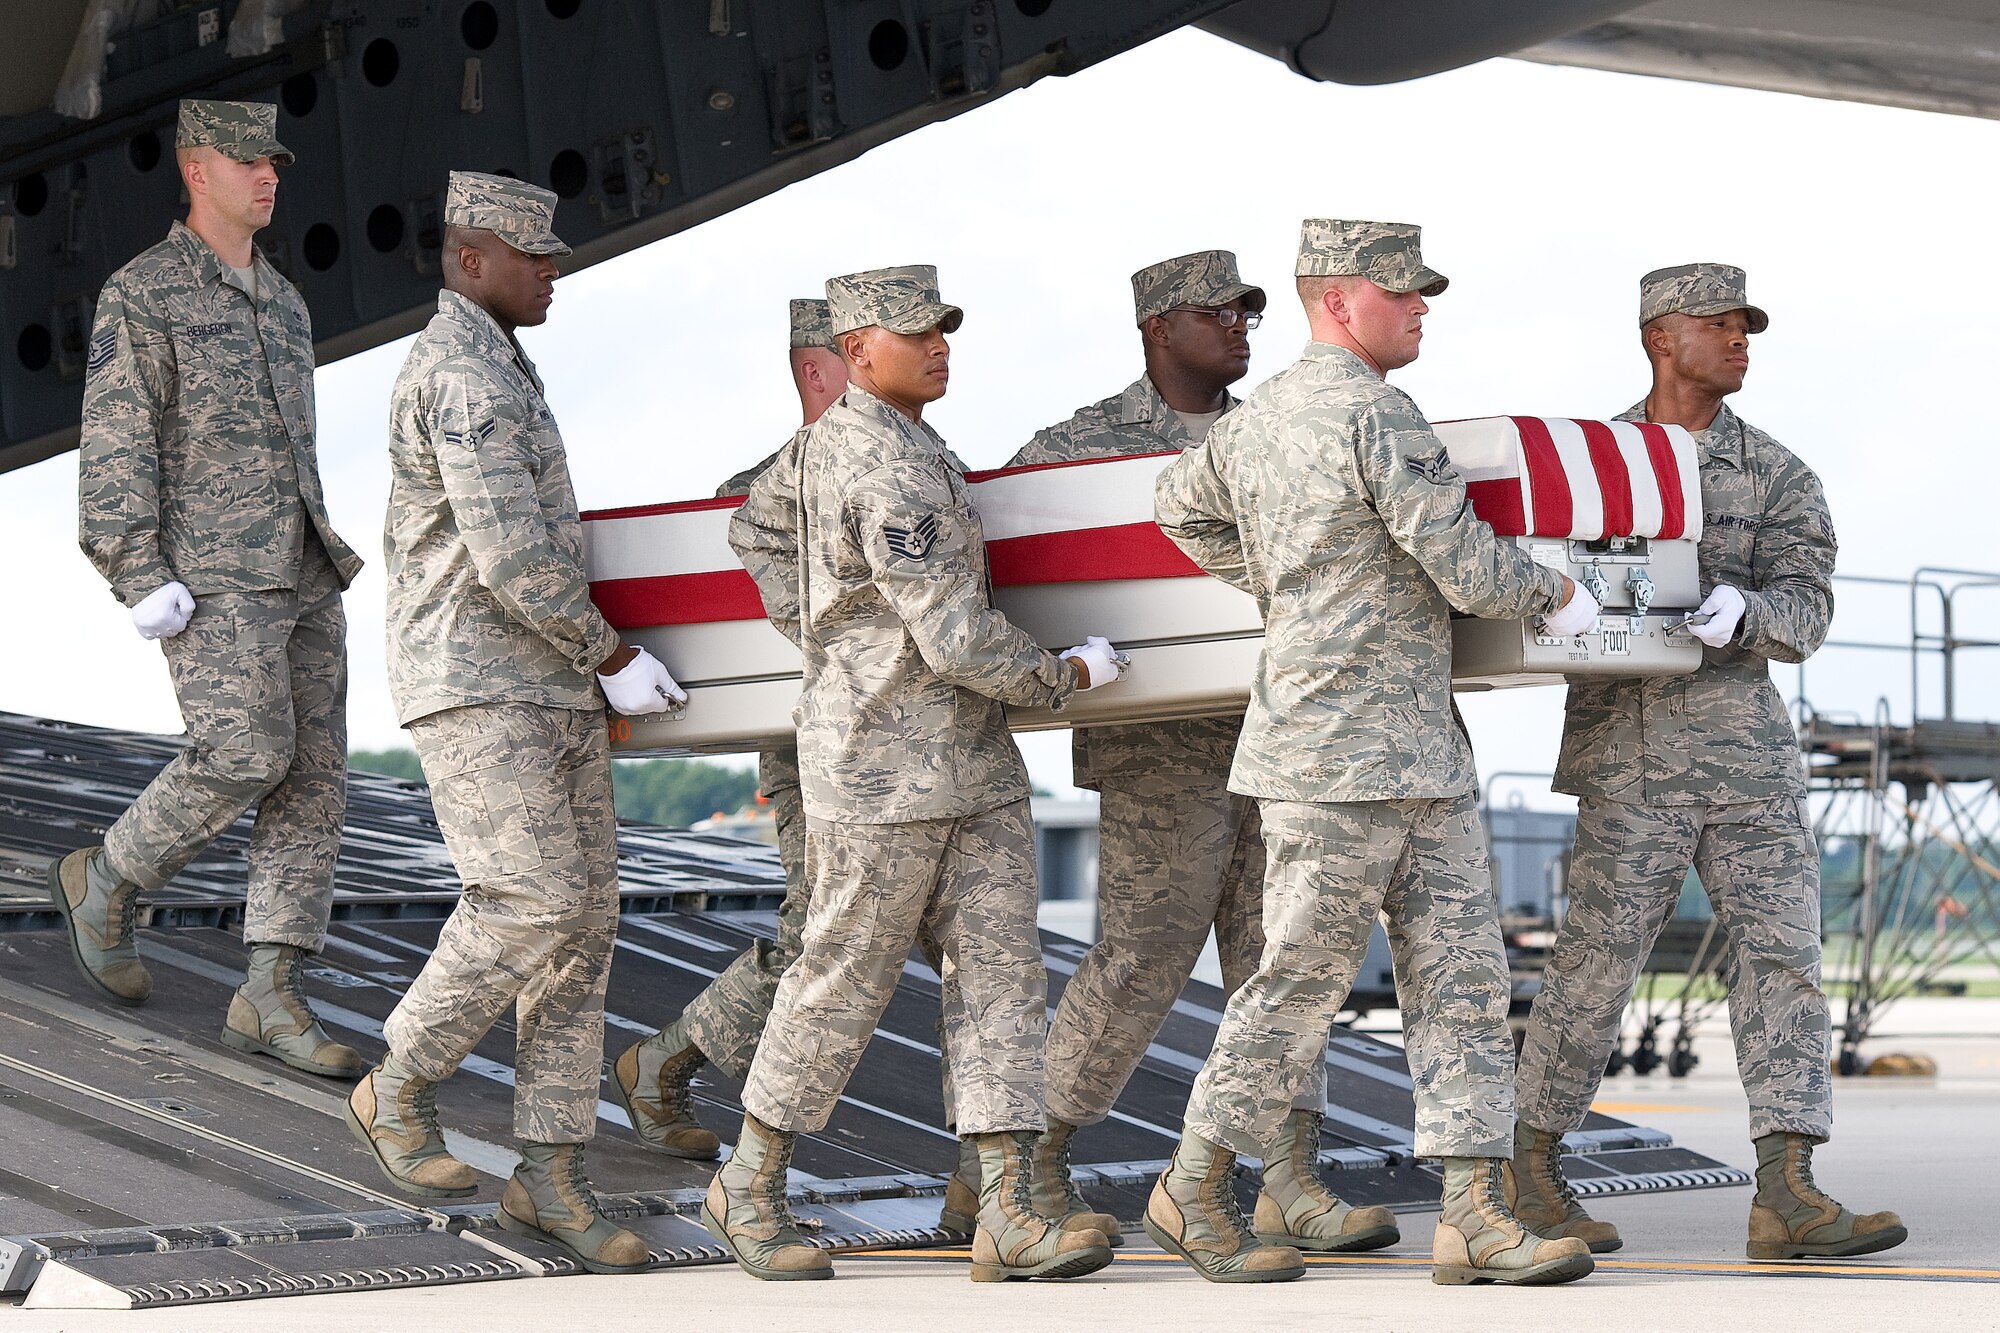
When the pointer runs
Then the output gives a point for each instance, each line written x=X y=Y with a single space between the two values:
x=549 y=1199
x=746 y=1209
x=100 y=911
x=394 y=1114
x=1791 y=1219
x=1056 y=1194
x=1539 y=1194
x=1478 y=1240
x=1012 y=1240
x=959 y=1217
x=653 y=1081
x=269 y=1015
x=1193 y=1213
x=1295 y=1208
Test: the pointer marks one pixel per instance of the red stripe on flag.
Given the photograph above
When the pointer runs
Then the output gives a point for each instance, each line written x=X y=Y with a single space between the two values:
x=1498 y=503
x=1546 y=479
x=1128 y=551
x=678 y=599
x=1667 y=473
x=1086 y=555
x=1614 y=480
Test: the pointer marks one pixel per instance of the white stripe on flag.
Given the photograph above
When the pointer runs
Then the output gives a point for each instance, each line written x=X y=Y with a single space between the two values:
x=1064 y=499
x=1586 y=500
x=1485 y=449
x=656 y=545
x=1647 y=514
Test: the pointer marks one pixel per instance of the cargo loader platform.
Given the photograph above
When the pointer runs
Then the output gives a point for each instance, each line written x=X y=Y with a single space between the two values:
x=144 y=1163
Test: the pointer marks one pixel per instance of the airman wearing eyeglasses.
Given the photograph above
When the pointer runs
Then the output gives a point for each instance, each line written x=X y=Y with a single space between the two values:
x=1178 y=854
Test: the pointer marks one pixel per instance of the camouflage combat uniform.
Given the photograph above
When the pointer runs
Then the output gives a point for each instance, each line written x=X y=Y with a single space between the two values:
x=1702 y=770
x=493 y=643
x=1327 y=496
x=916 y=799
x=1178 y=852
x=198 y=466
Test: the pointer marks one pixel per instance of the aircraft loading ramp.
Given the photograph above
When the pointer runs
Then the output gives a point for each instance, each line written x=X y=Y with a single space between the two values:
x=143 y=1163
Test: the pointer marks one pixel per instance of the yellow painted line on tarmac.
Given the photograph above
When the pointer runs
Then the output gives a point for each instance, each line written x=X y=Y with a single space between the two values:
x=1695 y=1268
x=1642 y=1108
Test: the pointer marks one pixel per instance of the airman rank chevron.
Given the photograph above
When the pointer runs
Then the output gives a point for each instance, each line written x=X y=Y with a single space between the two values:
x=915 y=541
x=102 y=348
x=1434 y=468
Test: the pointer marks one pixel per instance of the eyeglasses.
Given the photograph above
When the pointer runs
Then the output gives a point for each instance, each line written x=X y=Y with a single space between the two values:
x=1225 y=316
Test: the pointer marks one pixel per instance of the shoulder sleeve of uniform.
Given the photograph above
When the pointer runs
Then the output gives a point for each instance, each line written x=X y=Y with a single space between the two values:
x=128 y=387
x=1196 y=509
x=1421 y=499
x=906 y=517
x=1787 y=613
x=488 y=452
x=764 y=534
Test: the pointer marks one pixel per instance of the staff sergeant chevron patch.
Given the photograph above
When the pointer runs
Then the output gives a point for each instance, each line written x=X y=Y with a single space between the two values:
x=915 y=541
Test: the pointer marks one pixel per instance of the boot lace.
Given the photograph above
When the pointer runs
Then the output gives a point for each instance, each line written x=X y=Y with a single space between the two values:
x=1490 y=1198
x=577 y=1185
x=121 y=914
x=1218 y=1197
x=1553 y=1178
x=1021 y=1178
x=291 y=980
x=424 y=1106
x=1073 y=1200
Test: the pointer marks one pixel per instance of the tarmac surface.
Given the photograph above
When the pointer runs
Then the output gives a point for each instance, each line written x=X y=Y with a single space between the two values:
x=1921 y=1146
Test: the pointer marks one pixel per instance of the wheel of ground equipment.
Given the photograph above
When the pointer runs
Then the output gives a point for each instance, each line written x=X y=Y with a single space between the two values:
x=1616 y=1064
x=1681 y=1060
x=1646 y=1051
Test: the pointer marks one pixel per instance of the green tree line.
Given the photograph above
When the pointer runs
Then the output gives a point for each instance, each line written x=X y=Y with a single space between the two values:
x=674 y=792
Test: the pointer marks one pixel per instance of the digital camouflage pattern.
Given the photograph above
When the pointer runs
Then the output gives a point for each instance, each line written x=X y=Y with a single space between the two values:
x=1722 y=734
x=262 y=682
x=1136 y=421
x=520 y=214
x=196 y=462
x=1388 y=254
x=1177 y=852
x=1333 y=867
x=523 y=799
x=1327 y=497
x=901 y=300
x=1698 y=289
x=1177 y=855
x=1204 y=278
x=811 y=325
x=1758 y=862
x=967 y=885
x=487 y=602
x=726 y=1019
x=1703 y=770
x=197 y=466
x=244 y=131
x=906 y=663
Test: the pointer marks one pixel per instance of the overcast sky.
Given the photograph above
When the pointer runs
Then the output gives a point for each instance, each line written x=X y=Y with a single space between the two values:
x=1543 y=193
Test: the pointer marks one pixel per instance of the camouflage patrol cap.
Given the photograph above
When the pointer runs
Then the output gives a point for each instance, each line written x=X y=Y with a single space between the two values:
x=1206 y=278
x=520 y=214
x=1697 y=289
x=901 y=300
x=240 y=131
x=812 y=324
x=1385 y=253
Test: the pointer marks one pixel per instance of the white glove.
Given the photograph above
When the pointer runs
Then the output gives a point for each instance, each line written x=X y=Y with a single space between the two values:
x=641 y=686
x=1724 y=609
x=164 y=612
x=1577 y=616
x=1098 y=657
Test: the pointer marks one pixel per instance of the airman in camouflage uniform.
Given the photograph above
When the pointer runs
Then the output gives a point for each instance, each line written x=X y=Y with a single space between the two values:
x=1327 y=496
x=200 y=503
x=1178 y=852
x=916 y=799
x=653 y=1078
x=500 y=666
x=1703 y=771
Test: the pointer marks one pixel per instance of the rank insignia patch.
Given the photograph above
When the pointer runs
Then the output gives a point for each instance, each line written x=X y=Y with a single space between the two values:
x=915 y=541
x=1434 y=468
